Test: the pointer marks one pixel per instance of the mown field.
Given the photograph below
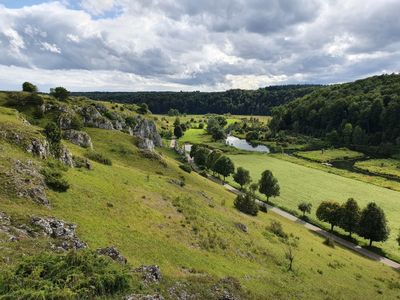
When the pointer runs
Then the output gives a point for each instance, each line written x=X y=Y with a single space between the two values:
x=300 y=183
x=329 y=155
x=135 y=206
x=385 y=167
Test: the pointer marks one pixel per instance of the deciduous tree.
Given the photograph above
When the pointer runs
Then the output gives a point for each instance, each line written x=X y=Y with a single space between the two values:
x=373 y=225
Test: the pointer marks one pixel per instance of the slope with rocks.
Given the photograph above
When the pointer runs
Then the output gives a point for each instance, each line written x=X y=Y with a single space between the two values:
x=179 y=241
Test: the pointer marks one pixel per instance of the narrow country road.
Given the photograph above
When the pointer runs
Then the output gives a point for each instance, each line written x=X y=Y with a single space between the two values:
x=309 y=226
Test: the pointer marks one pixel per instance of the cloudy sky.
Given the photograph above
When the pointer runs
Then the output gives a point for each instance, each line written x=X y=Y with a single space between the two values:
x=130 y=45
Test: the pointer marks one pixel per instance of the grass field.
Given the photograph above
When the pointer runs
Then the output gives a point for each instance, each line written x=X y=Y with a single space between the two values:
x=386 y=167
x=196 y=136
x=329 y=155
x=149 y=225
x=299 y=183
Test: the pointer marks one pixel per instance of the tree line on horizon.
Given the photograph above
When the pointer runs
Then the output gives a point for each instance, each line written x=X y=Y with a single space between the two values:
x=235 y=101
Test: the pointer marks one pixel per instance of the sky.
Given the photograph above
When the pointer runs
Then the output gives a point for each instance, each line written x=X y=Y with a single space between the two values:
x=207 y=45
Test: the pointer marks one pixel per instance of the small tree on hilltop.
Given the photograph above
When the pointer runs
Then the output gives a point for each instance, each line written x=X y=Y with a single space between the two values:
x=29 y=87
x=178 y=131
x=350 y=216
x=330 y=212
x=373 y=224
x=305 y=207
x=242 y=177
x=60 y=93
x=246 y=203
x=224 y=166
x=268 y=185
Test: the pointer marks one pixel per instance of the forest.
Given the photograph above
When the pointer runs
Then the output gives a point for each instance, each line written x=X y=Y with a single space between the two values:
x=251 y=102
x=362 y=114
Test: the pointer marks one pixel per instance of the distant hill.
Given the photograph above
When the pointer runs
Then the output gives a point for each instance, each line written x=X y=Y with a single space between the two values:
x=256 y=102
x=361 y=113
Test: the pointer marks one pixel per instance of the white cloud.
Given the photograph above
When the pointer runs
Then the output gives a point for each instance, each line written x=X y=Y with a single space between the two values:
x=184 y=44
x=50 y=47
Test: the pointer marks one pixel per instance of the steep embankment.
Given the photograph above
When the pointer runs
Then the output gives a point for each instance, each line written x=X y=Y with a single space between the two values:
x=156 y=214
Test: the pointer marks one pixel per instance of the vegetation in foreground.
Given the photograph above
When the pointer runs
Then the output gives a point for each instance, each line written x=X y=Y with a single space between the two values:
x=138 y=203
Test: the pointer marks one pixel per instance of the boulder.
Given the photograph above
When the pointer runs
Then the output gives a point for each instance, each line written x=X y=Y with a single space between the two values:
x=79 y=138
x=65 y=156
x=58 y=229
x=26 y=181
x=147 y=134
x=39 y=147
x=151 y=274
x=93 y=118
x=113 y=253
x=242 y=227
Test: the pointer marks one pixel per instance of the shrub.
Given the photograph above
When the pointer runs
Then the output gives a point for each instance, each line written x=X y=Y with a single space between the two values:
x=99 y=157
x=54 y=180
x=74 y=275
x=329 y=242
x=247 y=204
x=186 y=167
x=276 y=228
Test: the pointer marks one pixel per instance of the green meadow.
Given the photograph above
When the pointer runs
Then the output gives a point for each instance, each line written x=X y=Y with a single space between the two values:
x=300 y=183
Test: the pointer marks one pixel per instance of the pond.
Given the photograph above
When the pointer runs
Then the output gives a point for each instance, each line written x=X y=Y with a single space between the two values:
x=242 y=144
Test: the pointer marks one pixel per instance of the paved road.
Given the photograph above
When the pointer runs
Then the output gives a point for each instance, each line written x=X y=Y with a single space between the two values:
x=309 y=226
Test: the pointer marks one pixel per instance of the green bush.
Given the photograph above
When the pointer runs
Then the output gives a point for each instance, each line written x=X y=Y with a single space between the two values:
x=247 y=204
x=186 y=167
x=54 y=180
x=100 y=158
x=276 y=228
x=74 y=275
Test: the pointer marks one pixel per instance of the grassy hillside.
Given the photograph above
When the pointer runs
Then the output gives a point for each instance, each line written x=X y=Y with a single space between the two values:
x=300 y=183
x=155 y=213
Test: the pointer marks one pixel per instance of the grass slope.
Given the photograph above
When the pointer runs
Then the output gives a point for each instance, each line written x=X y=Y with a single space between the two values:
x=151 y=225
x=299 y=183
x=329 y=155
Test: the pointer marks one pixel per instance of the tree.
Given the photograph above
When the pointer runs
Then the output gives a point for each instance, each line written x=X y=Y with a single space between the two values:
x=246 y=203
x=333 y=137
x=350 y=216
x=193 y=150
x=347 y=133
x=53 y=134
x=305 y=207
x=60 y=93
x=268 y=185
x=373 y=224
x=242 y=177
x=143 y=109
x=177 y=121
x=218 y=134
x=359 y=136
x=173 y=112
x=224 y=166
x=29 y=87
x=330 y=212
x=178 y=132
x=212 y=158
x=200 y=156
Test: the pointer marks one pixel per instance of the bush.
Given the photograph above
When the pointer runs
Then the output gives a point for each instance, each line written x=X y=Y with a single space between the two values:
x=276 y=228
x=74 y=275
x=329 y=242
x=186 y=167
x=247 y=204
x=100 y=158
x=54 y=180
